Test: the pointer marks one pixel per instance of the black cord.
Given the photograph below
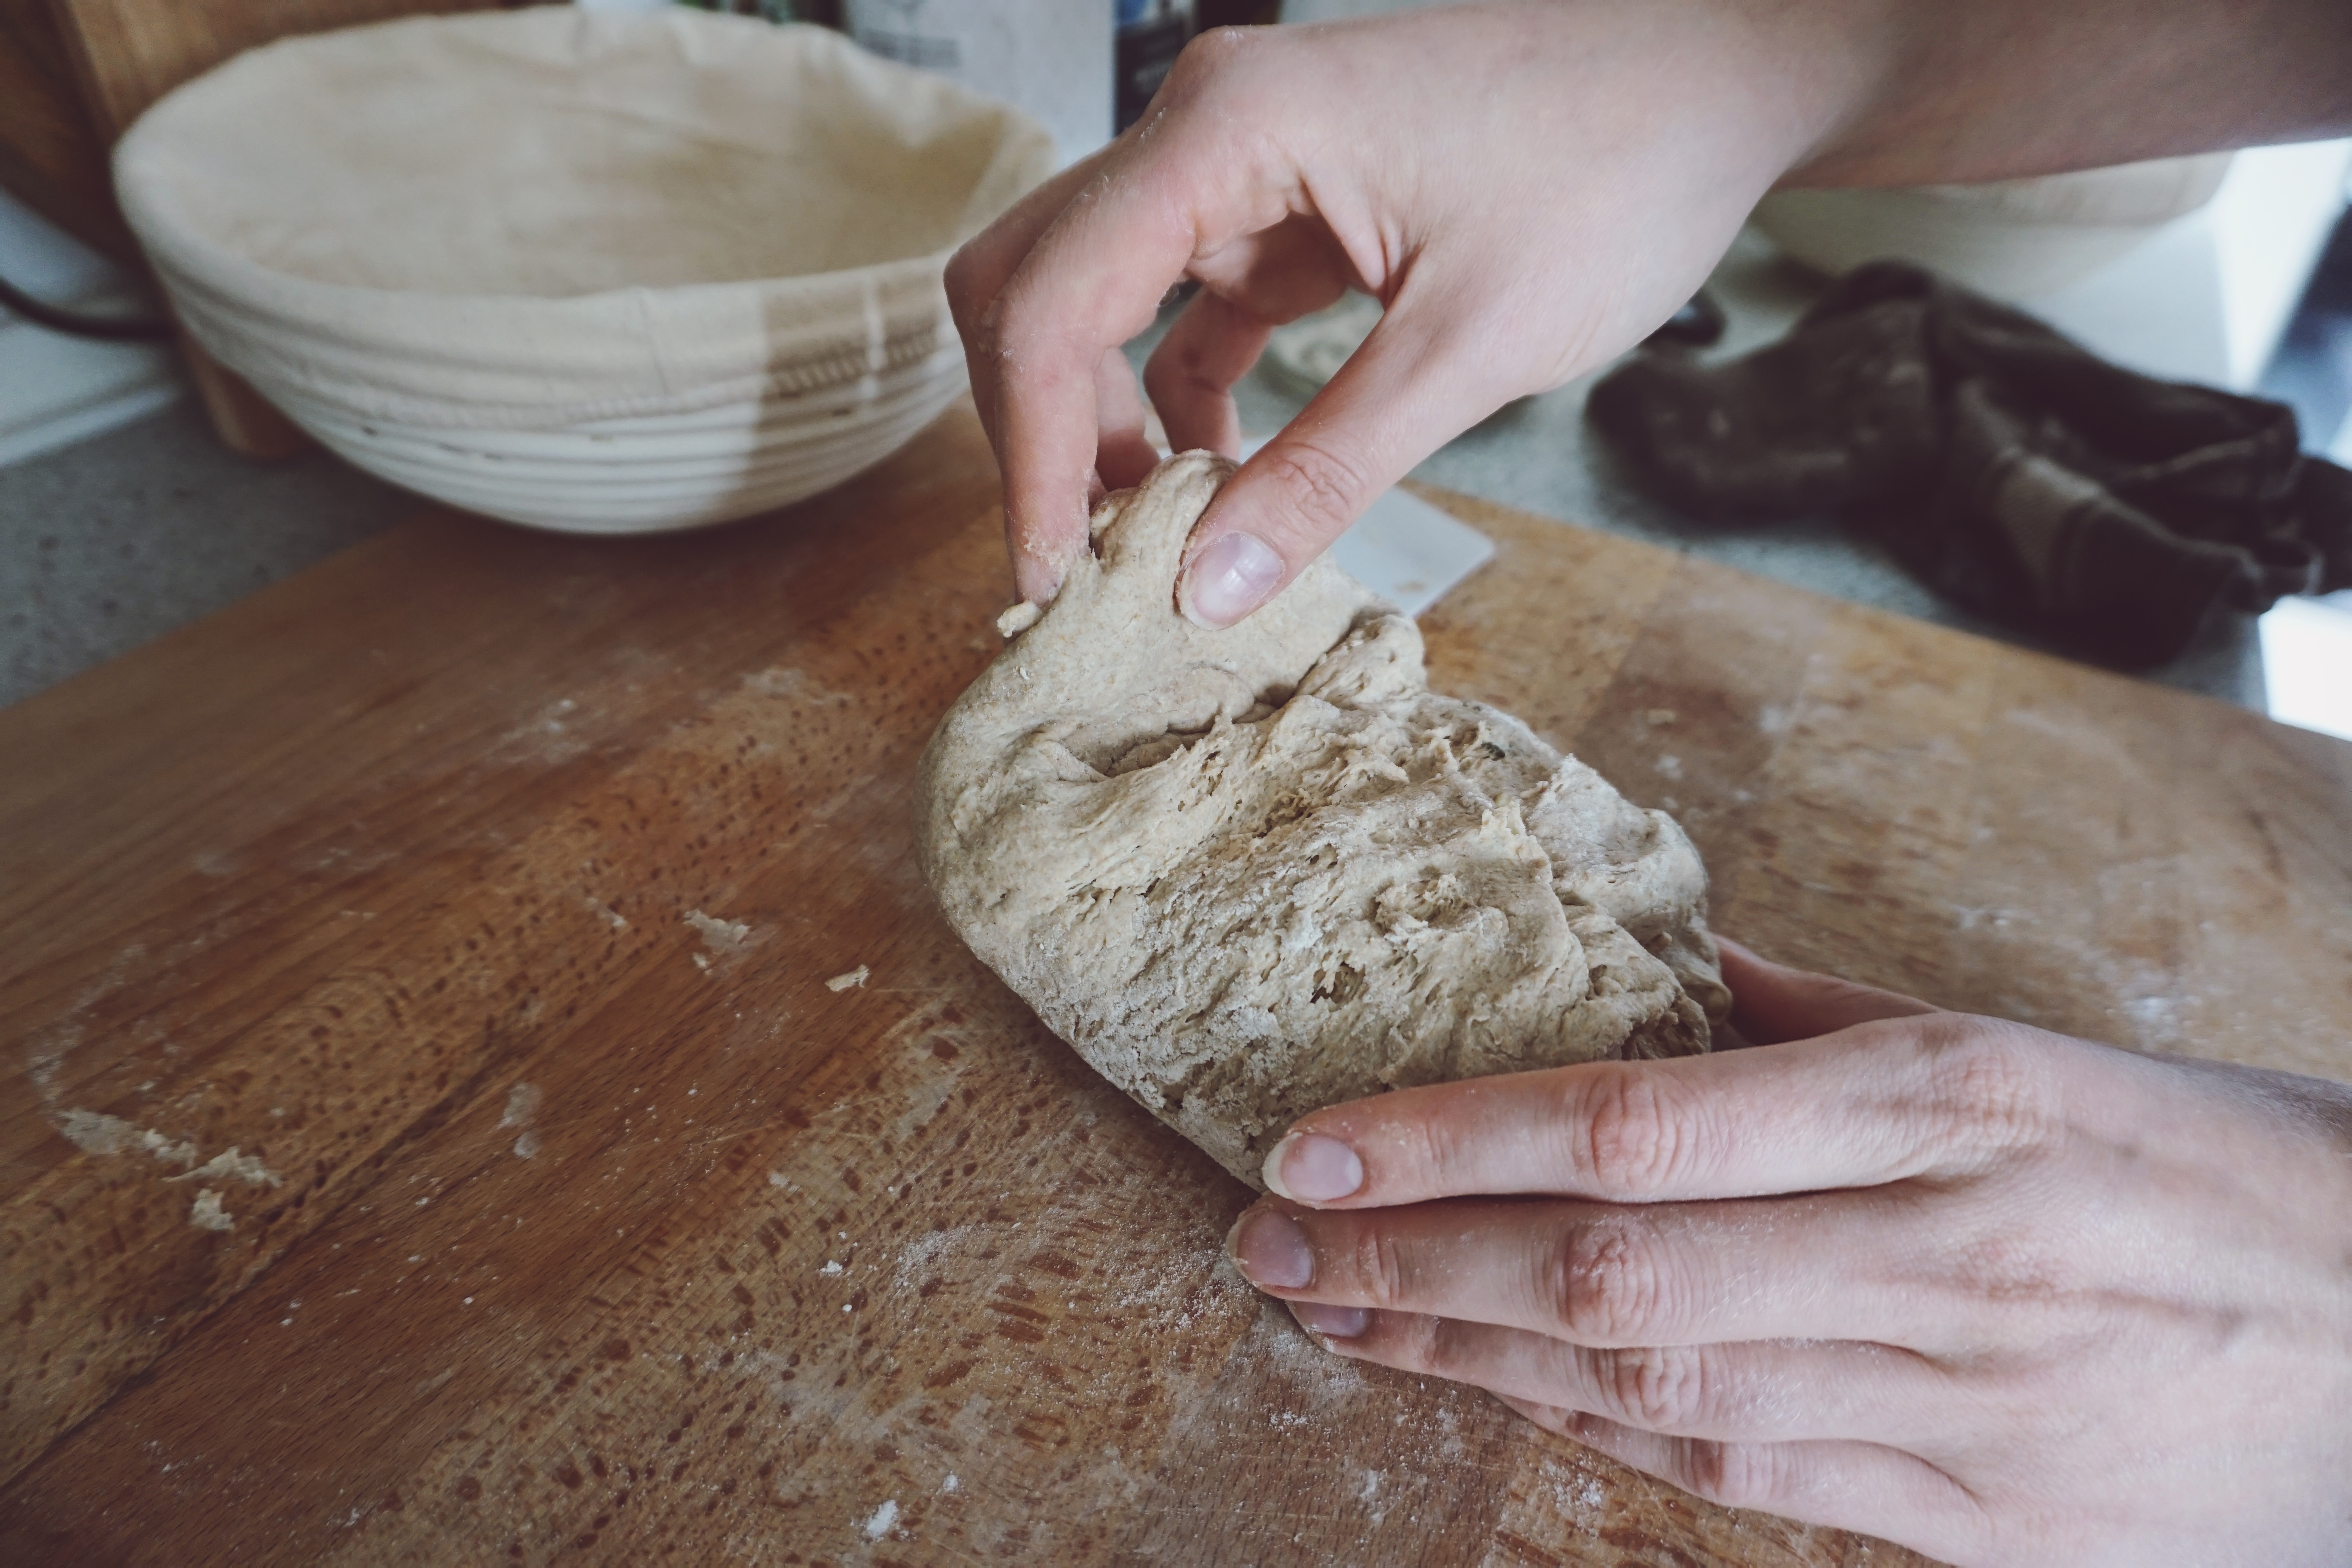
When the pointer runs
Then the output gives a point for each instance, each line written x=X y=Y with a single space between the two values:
x=116 y=329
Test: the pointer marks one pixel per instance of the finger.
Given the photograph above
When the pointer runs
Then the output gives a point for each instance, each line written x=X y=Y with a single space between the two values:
x=1877 y=1102
x=1865 y=1487
x=1828 y=1266
x=1414 y=383
x=1191 y=374
x=1124 y=455
x=976 y=279
x=1771 y=1002
x=1093 y=280
x=977 y=273
x=1751 y=1391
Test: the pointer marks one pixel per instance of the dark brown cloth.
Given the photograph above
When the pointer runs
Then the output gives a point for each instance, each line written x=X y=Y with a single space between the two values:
x=2013 y=470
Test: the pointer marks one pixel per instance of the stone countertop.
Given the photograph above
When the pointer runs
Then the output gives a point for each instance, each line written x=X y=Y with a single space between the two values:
x=114 y=541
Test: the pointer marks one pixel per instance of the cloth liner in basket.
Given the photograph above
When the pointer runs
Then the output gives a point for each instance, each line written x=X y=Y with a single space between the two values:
x=612 y=272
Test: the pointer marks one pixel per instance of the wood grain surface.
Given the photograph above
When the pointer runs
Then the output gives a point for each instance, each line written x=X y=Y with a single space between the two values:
x=430 y=1136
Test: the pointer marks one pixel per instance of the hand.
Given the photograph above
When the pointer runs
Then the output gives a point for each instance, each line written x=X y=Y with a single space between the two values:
x=1529 y=189
x=1995 y=1294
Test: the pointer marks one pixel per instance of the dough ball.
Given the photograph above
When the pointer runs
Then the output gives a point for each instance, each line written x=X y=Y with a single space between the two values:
x=1250 y=873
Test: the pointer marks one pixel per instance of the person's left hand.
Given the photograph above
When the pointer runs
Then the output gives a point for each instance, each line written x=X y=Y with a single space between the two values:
x=1989 y=1292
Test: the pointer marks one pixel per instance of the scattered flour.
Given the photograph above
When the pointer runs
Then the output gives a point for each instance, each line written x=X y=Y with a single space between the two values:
x=96 y=1133
x=522 y=1104
x=208 y=1214
x=882 y=1518
x=1589 y=1497
x=783 y=680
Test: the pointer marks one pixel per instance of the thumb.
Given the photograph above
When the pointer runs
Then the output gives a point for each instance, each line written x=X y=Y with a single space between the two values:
x=1771 y=1003
x=1404 y=393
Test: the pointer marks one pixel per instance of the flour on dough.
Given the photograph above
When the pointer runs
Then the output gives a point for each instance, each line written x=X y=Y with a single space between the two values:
x=1254 y=872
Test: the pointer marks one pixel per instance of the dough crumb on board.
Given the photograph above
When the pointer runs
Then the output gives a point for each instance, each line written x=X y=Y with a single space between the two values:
x=95 y=1132
x=843 y=982
x=719 y=936
x=1249 y=873
x=522 y=1104
x=234 y=1164
x=207 y=1214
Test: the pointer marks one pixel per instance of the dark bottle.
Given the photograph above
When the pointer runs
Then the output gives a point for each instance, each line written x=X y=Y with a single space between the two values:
x=1151 y=34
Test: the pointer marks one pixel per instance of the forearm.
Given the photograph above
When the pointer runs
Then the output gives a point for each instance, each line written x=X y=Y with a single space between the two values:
x=1955 y=90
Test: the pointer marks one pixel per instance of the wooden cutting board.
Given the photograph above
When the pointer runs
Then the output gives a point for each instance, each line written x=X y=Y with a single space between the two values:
x=430 y=1135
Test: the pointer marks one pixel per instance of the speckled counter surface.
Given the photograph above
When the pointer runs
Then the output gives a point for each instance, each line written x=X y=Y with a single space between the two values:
x=109 y=544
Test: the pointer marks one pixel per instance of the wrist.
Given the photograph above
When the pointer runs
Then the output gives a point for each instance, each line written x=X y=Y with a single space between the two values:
x=1941 y=91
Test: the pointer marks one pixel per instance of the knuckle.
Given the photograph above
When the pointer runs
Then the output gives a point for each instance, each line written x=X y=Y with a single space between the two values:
x=1992 y=1085
x=1594 y=1431
x=1380 y=1270
x=1632 y=1137
x=1659 y=1389
x=1734 y=1475
x=1447 y=1151
x=1321 y=489
x=1610 y=1288
x=2017 y=1273
x=970 y=282
x=1209 y=57
x=1437 y=1346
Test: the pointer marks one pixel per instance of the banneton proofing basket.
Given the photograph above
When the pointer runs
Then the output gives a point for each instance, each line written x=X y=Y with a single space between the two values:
x=607 y=273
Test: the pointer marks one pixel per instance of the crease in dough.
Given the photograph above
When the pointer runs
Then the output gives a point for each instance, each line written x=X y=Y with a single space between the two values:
x=1250 y=873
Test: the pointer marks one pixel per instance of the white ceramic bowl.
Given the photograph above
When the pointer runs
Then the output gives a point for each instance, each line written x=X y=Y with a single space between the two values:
x=2013 y=238
x=603 y=273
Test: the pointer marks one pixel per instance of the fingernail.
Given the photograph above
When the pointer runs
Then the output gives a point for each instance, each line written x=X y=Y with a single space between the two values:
x=1272 y=1251
x=1228 y=580
x=1308 y=1168
x=1337 y=1322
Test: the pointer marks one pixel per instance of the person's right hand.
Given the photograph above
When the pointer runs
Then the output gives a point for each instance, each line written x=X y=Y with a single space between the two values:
x=1529 y=189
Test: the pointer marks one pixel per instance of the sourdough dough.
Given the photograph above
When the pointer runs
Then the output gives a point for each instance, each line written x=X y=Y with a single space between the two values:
x=1254 y=872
